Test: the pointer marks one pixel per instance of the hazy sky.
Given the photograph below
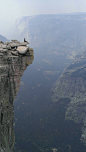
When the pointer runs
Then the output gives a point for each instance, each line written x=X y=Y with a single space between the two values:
x=13 y=9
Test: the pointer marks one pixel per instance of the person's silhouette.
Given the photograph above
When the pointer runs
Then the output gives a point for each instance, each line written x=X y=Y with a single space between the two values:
x=25 y=40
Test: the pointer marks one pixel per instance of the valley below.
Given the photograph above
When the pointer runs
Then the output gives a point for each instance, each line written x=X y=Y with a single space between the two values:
x=45 y=103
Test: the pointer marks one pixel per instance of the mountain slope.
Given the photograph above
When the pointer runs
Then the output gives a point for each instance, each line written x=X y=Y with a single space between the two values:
x=57 y=33
x=2 y=38
x=72 y=86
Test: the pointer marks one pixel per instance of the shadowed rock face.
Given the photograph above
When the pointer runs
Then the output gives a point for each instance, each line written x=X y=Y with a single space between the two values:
x=11 y=70
x=72 y=85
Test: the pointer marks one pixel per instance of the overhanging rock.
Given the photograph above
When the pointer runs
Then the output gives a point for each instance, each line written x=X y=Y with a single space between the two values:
x=15 y=48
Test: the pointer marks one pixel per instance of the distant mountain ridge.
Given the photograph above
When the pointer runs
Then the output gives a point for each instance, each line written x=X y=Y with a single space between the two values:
x=4 y=39
x=63 y=33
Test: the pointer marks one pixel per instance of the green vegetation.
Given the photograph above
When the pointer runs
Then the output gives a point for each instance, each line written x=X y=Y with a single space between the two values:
x=51 y=72
x=47 y=61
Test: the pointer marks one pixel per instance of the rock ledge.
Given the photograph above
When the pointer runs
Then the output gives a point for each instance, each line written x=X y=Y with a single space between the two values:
x=15 y=48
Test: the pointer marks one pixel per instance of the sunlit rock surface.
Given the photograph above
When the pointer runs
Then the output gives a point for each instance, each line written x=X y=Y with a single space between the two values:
x=11 y=70
x=72 y=85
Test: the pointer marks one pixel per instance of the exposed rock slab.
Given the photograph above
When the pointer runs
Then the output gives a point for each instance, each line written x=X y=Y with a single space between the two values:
x=14 y=45
x=22 y=49
x=14 y=53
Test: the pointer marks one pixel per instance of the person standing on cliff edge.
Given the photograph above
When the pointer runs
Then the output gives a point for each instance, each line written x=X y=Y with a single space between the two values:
x=25 y=40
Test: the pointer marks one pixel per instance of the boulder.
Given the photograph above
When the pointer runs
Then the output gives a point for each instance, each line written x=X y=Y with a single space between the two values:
x=8 y=47
x=14 y=53
x=13 y=45
x=1 y=50
x=7 y=43
x=15 y=48
x=4 y=51
x=15 y=41
x=1 y=45
x=1 y=54
x=22 y=49
x=23 y=43
x=4 y=46
x=2 y=42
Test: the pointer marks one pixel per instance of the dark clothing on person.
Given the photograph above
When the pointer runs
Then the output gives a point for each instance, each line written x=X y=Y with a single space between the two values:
x=25 y=40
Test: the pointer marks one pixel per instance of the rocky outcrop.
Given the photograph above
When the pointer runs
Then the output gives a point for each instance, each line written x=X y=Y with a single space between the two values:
x=63 y=35
x=15 y=48
x=11 y=70
x=72 y=85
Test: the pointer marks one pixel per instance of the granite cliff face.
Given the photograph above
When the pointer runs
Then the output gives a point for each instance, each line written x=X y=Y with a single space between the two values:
x=11 y=70
x=72 y=85
x=60 y=34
